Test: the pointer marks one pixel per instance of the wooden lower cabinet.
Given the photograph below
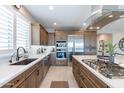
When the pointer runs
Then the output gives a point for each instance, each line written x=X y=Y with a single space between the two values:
x=31 y=78
x=85 y=78
x=39 y=75
x=30 y=82
x=22 y=85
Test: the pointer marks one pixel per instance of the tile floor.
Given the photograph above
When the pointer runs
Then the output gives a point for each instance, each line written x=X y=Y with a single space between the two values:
x=59 y=73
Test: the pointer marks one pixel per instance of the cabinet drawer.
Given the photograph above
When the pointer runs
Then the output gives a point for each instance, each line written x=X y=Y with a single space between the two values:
x=15 y=82
x=30 y=71
x=95 y=80
x=86 y=79
x=82 y=83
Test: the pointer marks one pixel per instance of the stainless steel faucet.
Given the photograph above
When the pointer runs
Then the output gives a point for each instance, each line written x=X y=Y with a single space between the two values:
x=17 y=54
x=18 y=57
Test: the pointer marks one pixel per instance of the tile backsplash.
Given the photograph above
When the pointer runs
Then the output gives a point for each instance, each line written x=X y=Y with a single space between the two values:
x=119 y=59
x=34 y=48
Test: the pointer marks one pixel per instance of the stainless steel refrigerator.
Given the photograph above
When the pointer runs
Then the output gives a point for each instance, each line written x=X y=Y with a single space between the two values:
x=75 y=46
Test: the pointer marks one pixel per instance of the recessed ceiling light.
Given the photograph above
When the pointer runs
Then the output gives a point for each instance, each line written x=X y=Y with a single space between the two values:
x=51 y=8
x=121 y=16
x=98 y=27
x=54 y=23
x=17 y=6
x=110 y=16
x=84 y=24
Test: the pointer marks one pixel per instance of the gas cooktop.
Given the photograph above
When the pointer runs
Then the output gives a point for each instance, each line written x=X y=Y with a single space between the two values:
x=109 y=70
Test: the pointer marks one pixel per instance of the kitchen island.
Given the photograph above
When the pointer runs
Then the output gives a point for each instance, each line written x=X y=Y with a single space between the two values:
x=89 y=77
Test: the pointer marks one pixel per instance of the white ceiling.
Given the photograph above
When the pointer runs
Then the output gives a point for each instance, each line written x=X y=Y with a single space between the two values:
x=67 y=17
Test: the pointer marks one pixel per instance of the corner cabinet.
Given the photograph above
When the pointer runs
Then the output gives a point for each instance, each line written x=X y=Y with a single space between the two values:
x=85 y=78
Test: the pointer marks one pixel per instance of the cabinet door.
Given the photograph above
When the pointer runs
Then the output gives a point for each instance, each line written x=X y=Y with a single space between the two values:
x=22 y=85
x=51 y=39
x=15 y=82
x=39 y=76
x=53 y=58
x=31 y=81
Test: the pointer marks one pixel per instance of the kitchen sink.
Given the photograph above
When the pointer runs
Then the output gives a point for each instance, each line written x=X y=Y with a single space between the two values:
x=25 y=61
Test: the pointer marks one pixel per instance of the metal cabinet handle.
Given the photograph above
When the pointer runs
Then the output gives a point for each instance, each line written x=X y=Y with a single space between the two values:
x=38 y=71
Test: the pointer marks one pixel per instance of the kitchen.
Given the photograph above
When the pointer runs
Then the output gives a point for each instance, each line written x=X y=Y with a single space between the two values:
x=61 y=46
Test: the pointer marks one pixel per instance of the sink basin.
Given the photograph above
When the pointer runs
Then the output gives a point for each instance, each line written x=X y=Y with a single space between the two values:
x=25 y=62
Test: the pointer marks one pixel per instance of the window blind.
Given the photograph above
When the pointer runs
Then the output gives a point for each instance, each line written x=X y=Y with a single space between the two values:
x=22 y=32
x=6 y=29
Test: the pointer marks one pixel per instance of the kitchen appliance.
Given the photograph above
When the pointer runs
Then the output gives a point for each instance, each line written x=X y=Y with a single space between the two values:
x=109 y=70
x=75 y=46
x=61 y=52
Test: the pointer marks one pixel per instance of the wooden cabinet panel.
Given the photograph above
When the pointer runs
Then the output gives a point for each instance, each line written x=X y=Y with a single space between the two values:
x=22 y=85
x=15 y=82
x=39 y=35
x=63 y=35
x=90 y=40
x=39 y=74
x=43 y=36
x=95 y=80
x=30 y=82
x=85 y=78
x=51 y=39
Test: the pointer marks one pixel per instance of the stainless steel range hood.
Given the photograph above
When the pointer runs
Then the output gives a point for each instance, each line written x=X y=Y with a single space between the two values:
x=103 y=15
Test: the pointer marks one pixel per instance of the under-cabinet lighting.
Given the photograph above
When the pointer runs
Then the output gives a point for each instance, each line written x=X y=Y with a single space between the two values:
x=91 y=27
x=121 y=16
x=98 y=27
x=110 y=16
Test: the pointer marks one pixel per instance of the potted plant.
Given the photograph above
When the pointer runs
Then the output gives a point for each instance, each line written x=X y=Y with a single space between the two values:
x=111 y=50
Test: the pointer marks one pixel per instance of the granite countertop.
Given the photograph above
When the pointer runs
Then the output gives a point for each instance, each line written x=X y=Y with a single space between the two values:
x=113 y=83
x=9 y=72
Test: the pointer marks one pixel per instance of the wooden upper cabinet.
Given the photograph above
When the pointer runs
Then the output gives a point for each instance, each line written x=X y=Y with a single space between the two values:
x=63 y=35
x=39 y=35
x=51 y=39
x=43 y=36
x=90 y=40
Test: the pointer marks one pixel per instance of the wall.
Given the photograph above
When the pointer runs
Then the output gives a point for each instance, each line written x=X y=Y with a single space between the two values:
x=116 y=36
x=105 y=37
x=33 y=50
x=115 y=28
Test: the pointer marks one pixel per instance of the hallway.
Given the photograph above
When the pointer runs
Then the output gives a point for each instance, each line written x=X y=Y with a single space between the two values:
x=59 y=73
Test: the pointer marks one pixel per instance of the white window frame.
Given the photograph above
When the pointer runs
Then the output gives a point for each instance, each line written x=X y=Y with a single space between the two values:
x=7 y=53
x=22 y=16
